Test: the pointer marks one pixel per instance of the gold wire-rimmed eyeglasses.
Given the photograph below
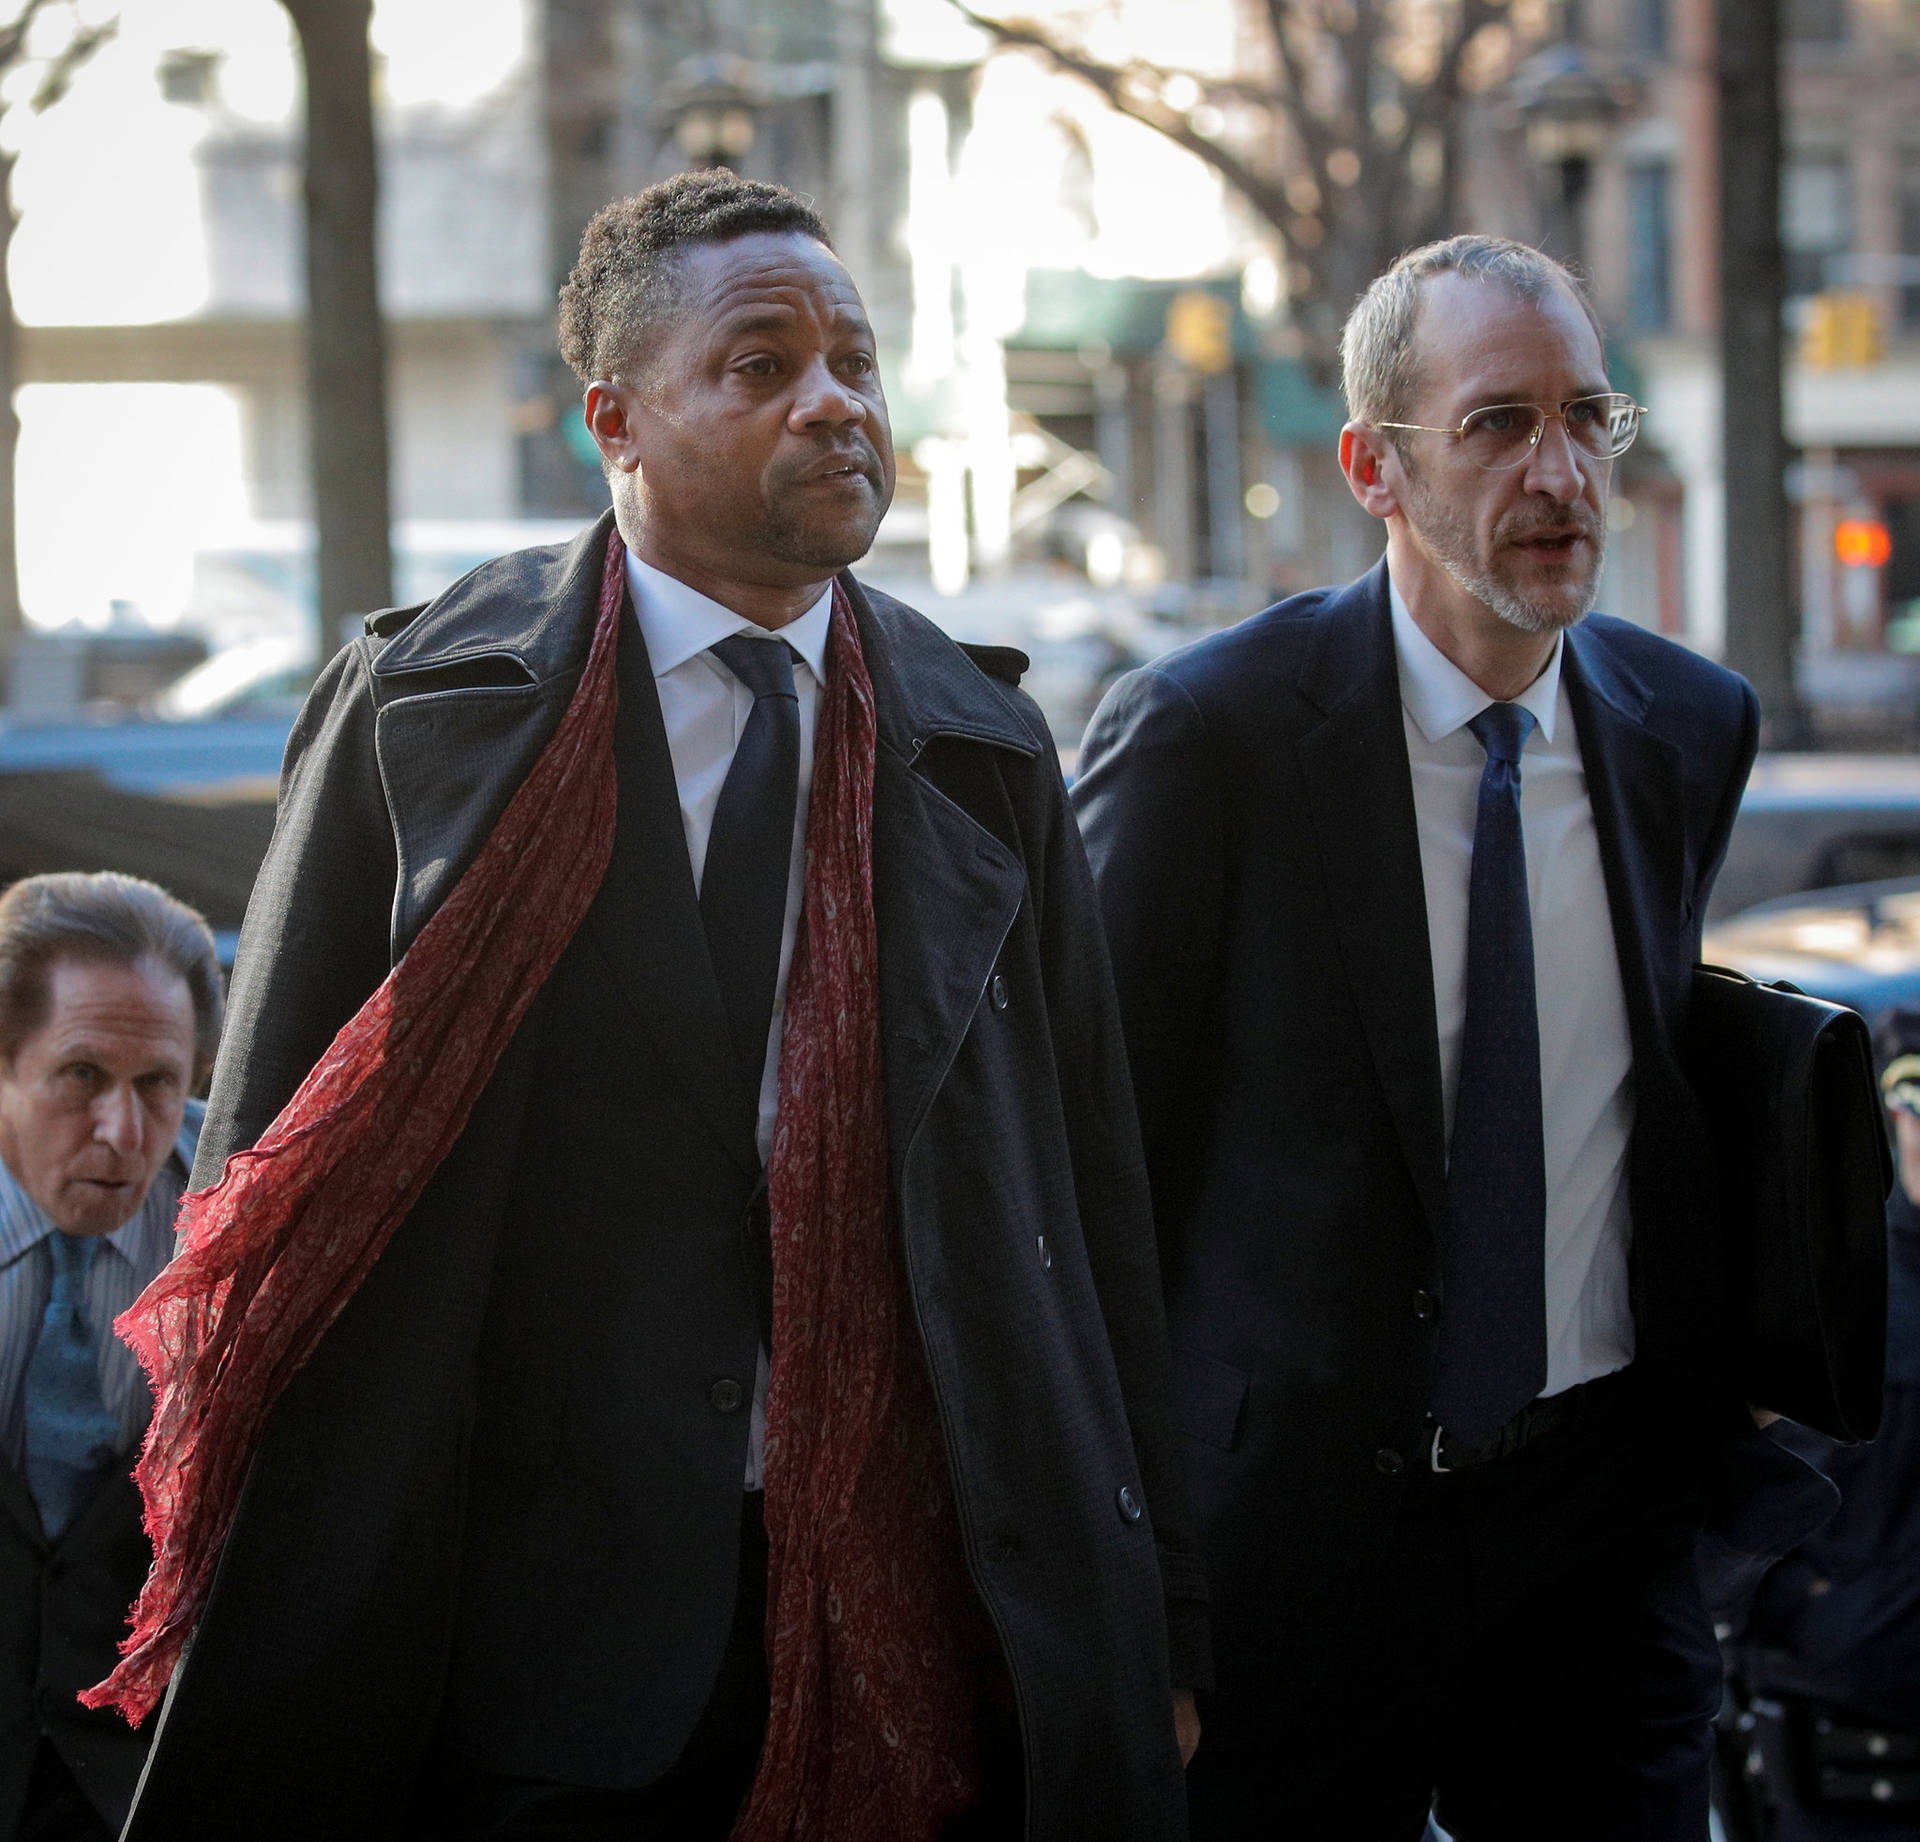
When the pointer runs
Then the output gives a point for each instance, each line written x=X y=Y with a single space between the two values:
x=1504 y=434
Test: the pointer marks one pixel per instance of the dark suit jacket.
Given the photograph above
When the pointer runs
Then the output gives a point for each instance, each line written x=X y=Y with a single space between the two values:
x=1248 y=809
x=499 y=1508
x=63 y=1612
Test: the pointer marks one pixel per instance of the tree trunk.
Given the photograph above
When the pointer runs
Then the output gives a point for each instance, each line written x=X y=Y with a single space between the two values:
x=11 y=620
x=346 y=339
x=1762 y=628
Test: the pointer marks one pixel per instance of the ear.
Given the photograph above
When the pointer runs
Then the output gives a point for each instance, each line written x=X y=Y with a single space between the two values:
x=1371 y=463
x=611 y=412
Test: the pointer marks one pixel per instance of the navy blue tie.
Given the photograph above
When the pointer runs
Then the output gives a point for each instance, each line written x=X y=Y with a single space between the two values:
x=71 y=1437
x=1493 y=1313
x=743 y=887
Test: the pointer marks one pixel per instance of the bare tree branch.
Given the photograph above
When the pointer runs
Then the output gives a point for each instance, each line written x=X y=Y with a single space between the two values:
x=1312 y=151
x=55 y=77
x=1126 y=90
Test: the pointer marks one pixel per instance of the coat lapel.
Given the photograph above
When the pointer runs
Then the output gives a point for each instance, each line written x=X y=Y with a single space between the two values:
x=1360 y=793
x=646 y=918
x=470 y=692
x=1634 y=787
x=946 y=891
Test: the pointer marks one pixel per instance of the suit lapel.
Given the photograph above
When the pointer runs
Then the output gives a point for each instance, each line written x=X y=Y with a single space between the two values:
x=1360 y=793
x=1634 y=787
x=646 y=919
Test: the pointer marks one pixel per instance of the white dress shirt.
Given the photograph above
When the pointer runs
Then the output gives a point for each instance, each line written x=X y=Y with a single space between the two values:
x=705 y=709
x=1586 y=1062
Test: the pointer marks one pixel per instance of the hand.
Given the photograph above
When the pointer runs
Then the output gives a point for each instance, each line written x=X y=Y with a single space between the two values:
x=1763 y=1417
x=1186 y=1725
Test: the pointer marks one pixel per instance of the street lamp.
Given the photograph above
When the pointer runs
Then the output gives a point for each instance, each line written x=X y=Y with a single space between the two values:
x=1567 y=107
x=709 y=103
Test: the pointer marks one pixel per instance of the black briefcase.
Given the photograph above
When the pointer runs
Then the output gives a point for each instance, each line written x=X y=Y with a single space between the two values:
x=1787 y=1085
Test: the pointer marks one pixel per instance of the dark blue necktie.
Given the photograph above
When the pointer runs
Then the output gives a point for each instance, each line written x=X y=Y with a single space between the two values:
x=71 y=1437
x=1493 y=1313
x=743 y=888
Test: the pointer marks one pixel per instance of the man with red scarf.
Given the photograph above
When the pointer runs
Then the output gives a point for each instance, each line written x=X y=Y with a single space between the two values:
x=669 y=1343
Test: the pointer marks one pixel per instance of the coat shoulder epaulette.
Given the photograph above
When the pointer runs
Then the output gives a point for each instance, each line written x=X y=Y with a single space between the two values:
x=389 y=621
x=1007 y=663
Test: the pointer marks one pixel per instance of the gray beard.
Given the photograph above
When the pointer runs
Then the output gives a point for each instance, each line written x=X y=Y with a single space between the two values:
x=1452 y=548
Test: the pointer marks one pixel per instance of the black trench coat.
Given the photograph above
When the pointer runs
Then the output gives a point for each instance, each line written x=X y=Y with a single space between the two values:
x=310 y=1691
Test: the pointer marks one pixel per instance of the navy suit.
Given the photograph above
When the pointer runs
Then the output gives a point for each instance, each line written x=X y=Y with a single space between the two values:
x=1248 y=808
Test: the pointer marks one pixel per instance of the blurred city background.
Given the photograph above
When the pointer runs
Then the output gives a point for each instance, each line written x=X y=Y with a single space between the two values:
x=277 y=324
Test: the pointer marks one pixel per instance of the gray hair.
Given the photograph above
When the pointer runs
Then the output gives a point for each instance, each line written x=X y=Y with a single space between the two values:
x=1378 y=365
x=104 y=917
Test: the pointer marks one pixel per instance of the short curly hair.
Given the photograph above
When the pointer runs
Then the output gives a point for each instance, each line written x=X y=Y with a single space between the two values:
x=626 y=276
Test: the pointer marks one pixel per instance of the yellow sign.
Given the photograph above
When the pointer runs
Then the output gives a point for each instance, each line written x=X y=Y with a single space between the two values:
x=1842 y=332
x=1200 y=330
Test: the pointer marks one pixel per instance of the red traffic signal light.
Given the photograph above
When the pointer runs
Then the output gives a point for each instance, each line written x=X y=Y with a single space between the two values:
x=1862 y=543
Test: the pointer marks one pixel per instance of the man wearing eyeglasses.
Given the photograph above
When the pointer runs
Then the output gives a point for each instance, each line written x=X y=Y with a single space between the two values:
x=1403 y=882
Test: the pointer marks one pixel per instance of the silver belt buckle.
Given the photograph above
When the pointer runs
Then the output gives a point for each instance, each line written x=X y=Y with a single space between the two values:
x=1434 y=1452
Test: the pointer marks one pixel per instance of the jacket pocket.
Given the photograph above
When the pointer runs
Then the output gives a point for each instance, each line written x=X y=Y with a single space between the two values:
x=1209 y=1398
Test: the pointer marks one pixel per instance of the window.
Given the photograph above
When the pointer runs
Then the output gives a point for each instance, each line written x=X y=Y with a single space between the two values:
x=1649 y=247
x=1816 y=220
x=1817 y=22
x=1647 y=27
x=1910 y=236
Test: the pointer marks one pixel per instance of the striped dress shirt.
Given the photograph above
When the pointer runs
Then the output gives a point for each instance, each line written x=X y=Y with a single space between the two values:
x=128 y=1259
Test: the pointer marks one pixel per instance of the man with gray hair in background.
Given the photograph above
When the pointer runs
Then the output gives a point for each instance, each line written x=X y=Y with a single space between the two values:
x=110 y=1011
x=1404 y=884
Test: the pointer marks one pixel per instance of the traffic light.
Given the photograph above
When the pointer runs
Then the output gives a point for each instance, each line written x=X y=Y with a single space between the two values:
x=1862 y=543
x=1842 y=332
x=1200 y=330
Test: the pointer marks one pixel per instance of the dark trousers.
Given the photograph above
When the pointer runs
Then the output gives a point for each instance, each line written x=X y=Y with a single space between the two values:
x=698 y=1798
x=1532 y=1660
x=57 y=1810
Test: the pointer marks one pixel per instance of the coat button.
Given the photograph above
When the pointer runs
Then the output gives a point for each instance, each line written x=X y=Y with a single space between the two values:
x=1388 y=1462
x=1046 y=1253
x=1128 y=1503
x=999 y=992
x=725 y=1396
x=1425 y=1305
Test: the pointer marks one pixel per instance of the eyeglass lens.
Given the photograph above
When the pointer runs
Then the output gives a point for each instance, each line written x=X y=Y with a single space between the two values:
x=1506 y=433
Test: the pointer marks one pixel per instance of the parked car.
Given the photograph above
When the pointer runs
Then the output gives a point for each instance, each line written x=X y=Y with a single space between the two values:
x=1858 y=945
x=189 y=805
x=1821 y=821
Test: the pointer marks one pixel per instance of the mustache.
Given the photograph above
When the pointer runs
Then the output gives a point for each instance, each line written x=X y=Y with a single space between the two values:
x=859 y=454
x=1523 y=527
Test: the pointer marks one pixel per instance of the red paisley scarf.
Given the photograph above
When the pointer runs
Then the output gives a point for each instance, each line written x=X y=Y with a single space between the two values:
x=870 y=1738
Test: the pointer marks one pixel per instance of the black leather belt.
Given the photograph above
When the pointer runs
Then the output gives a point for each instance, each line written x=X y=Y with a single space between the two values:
x=1534 y=1421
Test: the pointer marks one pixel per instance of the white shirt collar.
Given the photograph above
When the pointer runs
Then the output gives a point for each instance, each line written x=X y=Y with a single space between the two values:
x=679 y=623
x=1441 y=698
